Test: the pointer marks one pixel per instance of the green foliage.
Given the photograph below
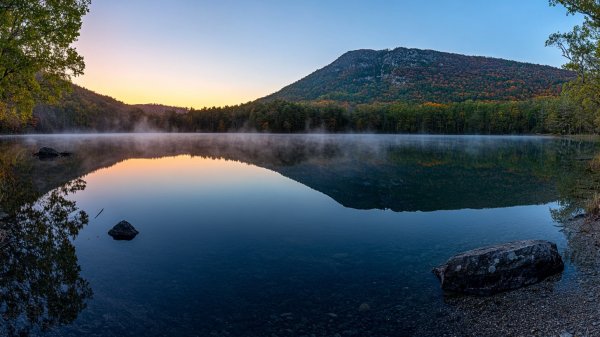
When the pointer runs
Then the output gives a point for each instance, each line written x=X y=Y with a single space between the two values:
x=36 y=56
x=540 y=115
x=581 y=47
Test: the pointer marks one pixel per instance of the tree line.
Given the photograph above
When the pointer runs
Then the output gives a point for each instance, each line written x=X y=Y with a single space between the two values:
x=545 y=115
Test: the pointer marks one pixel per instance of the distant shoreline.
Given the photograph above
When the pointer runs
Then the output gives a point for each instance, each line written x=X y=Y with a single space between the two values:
x=583 y=137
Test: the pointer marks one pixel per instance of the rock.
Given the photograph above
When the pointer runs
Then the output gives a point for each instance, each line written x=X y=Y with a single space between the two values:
x=493 y=269
x=48 y=152
x=364 y=307
x=578 y=216
x=123 y=231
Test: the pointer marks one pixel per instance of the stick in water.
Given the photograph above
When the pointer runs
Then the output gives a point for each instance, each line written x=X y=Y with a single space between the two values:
x=97 y=215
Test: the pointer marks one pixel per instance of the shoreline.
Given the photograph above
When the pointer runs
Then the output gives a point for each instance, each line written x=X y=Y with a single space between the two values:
x=548 y=308
x=316 y=133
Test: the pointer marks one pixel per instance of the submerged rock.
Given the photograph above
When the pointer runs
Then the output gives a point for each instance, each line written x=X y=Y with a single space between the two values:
x=48 y=152
x=123 y=231
x=493 y=269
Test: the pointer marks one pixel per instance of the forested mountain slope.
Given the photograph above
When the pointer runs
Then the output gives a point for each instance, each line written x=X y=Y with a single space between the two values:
x=83 y=110
x=415 y=75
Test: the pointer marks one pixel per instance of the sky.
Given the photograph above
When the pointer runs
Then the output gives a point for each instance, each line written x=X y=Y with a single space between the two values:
x=197 y=53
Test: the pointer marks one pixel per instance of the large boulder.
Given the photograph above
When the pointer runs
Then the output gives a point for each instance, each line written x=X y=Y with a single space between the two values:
x=493 y=269
x=123 y=231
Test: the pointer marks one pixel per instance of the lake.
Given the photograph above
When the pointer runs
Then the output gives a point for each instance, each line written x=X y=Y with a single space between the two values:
x=265 y=235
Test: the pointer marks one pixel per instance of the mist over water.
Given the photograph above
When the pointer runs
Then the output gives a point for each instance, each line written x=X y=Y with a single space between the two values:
x=255 y=234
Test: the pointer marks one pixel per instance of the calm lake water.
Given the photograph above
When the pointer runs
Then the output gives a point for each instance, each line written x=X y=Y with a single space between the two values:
x=265 y=235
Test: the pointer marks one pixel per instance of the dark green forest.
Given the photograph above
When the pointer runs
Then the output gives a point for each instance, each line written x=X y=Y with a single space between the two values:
x=83 y=111
x=532 y=116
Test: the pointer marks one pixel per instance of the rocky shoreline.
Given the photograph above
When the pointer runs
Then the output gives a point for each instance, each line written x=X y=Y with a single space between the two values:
x=548 y=308
x=3 y=233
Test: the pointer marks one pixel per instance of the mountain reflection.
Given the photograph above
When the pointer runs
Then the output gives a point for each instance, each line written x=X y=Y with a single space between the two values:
x=40 y=281
x=401 y=173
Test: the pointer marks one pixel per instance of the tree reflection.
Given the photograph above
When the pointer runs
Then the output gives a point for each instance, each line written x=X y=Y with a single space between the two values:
x=16 y=184
x=40 y=282
x=577 y=212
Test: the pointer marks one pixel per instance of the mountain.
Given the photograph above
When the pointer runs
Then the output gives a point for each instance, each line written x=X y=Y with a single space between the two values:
x=83 y=110
x=415 y=75
x=480 y=90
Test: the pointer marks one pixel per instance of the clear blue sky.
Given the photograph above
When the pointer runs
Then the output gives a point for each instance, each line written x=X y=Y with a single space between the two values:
x=202 y=53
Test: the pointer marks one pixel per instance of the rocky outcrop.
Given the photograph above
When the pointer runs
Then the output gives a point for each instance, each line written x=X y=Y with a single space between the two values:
x=493 y=269
x=123 y=231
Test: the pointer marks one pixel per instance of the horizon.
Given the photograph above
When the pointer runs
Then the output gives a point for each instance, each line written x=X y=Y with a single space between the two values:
x=187 y=54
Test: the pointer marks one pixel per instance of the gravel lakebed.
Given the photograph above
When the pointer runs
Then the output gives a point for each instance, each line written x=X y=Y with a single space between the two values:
x=549 y=308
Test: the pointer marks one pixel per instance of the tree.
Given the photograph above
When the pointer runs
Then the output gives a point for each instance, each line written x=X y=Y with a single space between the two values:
x=581 y=47
x=37 y=58
x=589 y=8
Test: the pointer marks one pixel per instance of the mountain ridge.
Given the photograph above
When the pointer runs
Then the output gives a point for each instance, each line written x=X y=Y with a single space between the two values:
x=83 y=109
x=423 y=75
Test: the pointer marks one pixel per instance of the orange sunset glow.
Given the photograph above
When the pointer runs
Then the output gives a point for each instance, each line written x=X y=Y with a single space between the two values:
x=179 y=168
x=212 y=53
